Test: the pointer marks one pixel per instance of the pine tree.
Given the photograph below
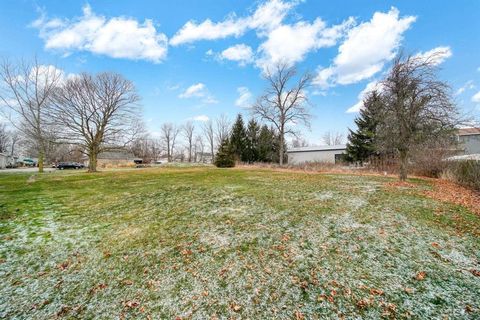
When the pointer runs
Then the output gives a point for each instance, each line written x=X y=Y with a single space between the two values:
x=251 y=148
x=238 y=138
x=361 y=143
x=225 y=157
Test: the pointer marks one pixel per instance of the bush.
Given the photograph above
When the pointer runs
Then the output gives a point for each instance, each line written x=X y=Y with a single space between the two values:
x=465 y=172
x=225 y=157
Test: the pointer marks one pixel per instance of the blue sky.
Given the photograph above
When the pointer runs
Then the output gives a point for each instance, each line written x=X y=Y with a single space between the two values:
x=199 y=59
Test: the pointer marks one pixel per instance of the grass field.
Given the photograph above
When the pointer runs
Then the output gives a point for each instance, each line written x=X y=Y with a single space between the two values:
x=210 y=243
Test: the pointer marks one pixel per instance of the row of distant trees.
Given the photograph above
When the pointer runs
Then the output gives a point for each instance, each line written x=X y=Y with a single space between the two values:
x=86 y=114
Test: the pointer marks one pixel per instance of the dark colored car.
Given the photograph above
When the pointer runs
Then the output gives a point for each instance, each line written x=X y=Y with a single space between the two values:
x=69 y=165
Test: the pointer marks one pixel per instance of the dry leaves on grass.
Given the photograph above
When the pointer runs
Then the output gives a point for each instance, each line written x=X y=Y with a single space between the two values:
x=475 y=272
x=130 y=304
x=447 y=191
x=421 y=276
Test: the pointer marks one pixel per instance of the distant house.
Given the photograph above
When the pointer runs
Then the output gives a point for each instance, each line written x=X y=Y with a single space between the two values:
x=328 y=154
x=469 y=140
x=115 y=159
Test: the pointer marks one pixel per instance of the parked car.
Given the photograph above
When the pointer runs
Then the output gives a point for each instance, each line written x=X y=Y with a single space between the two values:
x=69 y=165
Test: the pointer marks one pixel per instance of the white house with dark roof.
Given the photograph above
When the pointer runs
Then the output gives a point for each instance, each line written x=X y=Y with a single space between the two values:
x=469 y=140
x=328 y=154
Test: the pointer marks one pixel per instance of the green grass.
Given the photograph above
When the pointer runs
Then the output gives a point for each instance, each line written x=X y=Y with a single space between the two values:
x=205 y=242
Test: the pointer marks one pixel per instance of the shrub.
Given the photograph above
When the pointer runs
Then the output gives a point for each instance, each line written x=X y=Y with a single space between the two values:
x=465 y=172
x=225 y=157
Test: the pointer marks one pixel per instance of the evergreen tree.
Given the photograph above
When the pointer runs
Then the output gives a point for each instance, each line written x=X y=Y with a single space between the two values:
x=251 y=148
x=265 y=144
x=268 y=145
x=225 y=157
x=361 y=143
x=238 y=139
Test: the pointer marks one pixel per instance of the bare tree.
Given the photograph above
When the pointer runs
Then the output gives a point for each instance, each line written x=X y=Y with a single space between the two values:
x=330 y=138
x=140 y=147
x=98 y=112
x=15 y=140
x=416 y=108
x=188 y=130
x=222 y=130
x=169 y=134
x=155 y=149
x=282 y=105
x=299 y=142
x=199 y=148
x=27 y=93
x=209 y=133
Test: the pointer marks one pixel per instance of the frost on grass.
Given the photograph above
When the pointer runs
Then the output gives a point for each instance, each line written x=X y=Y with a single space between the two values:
x=173 y=242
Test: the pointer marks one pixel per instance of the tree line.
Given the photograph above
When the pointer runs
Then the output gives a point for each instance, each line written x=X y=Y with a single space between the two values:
x=87 y=114
x=411 y=109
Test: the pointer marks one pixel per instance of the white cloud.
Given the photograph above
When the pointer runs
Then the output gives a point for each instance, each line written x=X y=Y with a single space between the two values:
x=265 y=17
x=244 y=99
x=476 y=97
x=368 y=88
x=290 y=43
x=198 y=90
x=366 y=49
x=118 y=37
x=283 y=42
x=467 y=86
x=195 y=90
x=437 y=55
x=201 y=118
x=240 y=53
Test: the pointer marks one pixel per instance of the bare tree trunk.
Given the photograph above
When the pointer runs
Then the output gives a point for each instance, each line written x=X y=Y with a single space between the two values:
x=403 y=164
x=92 y=161
x=41 y=157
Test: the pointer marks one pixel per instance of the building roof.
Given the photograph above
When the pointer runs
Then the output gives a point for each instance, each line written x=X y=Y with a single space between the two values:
x=318 y=148
x=468 y=131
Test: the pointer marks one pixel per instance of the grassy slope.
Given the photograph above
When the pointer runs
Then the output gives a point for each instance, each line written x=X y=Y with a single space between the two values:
x=204 y=242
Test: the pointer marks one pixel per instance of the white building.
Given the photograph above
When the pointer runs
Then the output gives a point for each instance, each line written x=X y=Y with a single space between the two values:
x=328 y=154
x=469 y=139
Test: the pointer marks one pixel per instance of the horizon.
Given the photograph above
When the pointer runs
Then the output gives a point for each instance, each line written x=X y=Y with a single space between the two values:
x=200 y=60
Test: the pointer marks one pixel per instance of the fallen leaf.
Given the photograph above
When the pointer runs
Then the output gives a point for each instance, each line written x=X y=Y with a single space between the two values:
x=131 y=304
x=376 y=292
x=299 y=315
x=127 y=282
x=435 y=245
x=421 y=275
x=235 y=307
x=64 y=265
x=363 y=303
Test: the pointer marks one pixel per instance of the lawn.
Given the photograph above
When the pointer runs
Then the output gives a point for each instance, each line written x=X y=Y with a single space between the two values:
x=232 y=243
